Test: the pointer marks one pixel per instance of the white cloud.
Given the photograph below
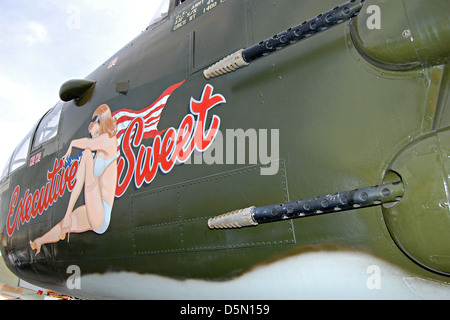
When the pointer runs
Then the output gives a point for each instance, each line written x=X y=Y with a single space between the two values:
x=37 y=33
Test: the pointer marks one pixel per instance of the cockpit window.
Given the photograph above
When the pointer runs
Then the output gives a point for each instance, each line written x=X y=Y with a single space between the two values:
x=162 y=12
x=6 y=168
x=19 y=157
x=48 y=127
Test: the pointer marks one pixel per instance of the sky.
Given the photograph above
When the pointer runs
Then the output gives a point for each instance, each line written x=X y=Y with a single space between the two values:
x=44 y=43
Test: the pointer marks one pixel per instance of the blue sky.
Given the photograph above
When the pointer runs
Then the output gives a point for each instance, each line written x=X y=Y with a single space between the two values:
x=44 y=43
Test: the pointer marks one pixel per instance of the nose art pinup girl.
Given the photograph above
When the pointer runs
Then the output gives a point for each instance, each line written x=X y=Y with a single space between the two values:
x=97 y=174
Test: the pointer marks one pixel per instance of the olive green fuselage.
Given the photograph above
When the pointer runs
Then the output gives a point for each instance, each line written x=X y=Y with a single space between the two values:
x=350 y=107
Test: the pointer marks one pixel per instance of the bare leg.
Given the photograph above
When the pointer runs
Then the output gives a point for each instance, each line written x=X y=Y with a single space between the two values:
x=84 y=218
x=50 y=237
x=95 y=211
x=82 y=171
x=58 y=232
x=80 y=223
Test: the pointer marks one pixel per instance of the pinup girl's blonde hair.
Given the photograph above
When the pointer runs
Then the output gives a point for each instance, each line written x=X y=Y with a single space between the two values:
x=106 y=121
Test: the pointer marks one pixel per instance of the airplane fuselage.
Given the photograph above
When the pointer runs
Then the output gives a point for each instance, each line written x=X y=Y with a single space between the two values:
x=345 y=108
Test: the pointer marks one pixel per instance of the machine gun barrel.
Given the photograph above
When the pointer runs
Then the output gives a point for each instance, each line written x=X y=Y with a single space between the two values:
x=290 y=36
x=353 y=199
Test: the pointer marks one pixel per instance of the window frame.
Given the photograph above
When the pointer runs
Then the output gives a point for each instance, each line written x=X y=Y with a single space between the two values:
x=55 y=135
x=34 y=147
x=5 y=171
x=156 y=19
x=31 y=137
x=27 y=139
